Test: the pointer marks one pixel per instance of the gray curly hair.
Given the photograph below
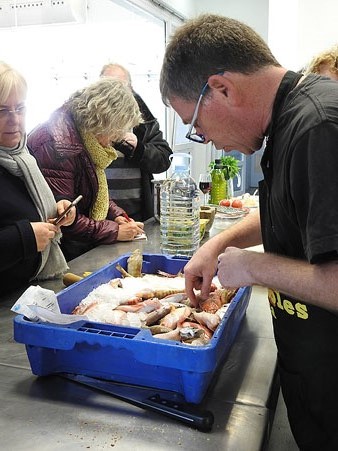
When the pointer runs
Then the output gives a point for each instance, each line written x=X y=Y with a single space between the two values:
x=106 y=107
x=116 y=67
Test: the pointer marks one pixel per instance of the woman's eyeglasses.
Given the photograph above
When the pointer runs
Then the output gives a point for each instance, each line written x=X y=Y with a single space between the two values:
x=6 y=112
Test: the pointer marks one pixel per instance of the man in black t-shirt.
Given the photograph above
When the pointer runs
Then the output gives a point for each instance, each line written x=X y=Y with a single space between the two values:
x=222 y=78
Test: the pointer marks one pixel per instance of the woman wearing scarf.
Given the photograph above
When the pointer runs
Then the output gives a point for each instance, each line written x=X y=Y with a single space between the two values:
x=73 y=150
x=28 y=238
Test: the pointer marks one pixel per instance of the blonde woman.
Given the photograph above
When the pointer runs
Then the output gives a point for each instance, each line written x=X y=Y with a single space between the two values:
x=73 y=149
x=28 y=238
x=325 y=63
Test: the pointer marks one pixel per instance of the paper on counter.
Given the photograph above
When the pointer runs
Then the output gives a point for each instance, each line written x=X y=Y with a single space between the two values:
x=38 y=303
x=57 y=318
x=141 y=236
x=35 y=295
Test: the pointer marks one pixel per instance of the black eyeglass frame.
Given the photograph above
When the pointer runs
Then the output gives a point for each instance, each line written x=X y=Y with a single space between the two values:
x=197 y=137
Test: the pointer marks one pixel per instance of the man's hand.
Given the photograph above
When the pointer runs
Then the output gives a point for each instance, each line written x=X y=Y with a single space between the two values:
x=199 y=272
x=233 y=267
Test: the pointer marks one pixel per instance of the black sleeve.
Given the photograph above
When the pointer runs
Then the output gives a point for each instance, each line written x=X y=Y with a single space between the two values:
x=152 y=152
x=17 y=244
x=314 y=189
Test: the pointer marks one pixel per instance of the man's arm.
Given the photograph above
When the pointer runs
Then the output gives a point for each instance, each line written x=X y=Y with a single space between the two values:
x=315 y=284
x=202 y=267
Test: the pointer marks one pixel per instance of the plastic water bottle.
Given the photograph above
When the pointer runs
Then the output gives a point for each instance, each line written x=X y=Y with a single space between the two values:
x=218 y=184
x=180 y=202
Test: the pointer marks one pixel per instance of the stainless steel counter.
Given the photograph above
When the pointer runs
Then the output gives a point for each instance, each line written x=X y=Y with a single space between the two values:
x=51 y=413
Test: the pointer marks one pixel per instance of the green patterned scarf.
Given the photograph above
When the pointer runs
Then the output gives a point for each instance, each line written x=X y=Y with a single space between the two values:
x=102 y=157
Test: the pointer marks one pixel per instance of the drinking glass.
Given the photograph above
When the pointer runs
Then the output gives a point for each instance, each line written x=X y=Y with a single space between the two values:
x=205 y=186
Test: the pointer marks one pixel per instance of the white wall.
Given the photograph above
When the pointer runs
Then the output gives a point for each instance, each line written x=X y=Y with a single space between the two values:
x=185 y=7
x=283 y=32
x=295 y=29
x=317 y=26
x=305 y=28
x=254 y=13
x=299 y=29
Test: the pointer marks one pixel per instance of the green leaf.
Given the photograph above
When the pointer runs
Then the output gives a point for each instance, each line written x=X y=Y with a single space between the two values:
x=231 y=167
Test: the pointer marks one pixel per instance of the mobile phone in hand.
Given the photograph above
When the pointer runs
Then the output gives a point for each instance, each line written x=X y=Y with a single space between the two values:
x=65 y=212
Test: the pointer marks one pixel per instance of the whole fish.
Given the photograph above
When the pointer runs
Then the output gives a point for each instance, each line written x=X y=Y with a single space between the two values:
x=157 y=329
x=189 y=333
x=134 y=263
x=207 y=332
x=156 y=315
x=144 y=306
x=178 y=298
x=211 y=320
x=172 y=335
x=177 y=316
x=159 y=293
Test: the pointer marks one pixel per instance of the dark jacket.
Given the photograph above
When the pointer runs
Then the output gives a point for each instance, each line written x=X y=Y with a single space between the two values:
x=70 y=171
x=20 y=258
x=151 y=155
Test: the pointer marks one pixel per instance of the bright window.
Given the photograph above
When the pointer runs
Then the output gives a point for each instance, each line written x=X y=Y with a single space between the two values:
x=58 y=59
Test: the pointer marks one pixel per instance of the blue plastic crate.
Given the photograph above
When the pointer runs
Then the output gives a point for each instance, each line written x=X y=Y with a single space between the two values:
x=127 y=354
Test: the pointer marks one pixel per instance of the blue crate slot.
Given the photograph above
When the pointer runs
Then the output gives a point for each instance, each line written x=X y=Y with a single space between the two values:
x=128 y=354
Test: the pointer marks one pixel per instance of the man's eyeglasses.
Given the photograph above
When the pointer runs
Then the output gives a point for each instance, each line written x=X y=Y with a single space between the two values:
x=193 y=136
x=5 y=112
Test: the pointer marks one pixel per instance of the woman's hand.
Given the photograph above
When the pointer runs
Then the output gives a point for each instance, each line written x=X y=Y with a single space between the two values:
x=123 y=220
x=131 y=139
x=44 y=232
x=129 y=230
x=69 y=218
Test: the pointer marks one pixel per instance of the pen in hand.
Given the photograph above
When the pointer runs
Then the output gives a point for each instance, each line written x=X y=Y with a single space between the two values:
x=126 y=217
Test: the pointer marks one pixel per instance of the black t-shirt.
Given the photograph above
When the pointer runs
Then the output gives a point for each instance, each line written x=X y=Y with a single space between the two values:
x=299 y=217
x=304 y=185
x=299 y=208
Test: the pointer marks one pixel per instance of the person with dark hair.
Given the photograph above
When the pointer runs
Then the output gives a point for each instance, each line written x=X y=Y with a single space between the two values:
x=142 y=153
x=222 y=79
